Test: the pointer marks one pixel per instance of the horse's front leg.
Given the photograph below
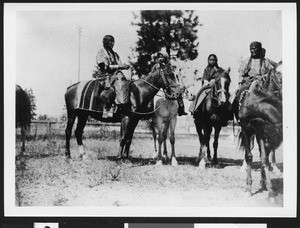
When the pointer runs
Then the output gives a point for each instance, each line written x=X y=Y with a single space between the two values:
x=160 y=141
x=172 y=141
x=128 y=125
x=165 y=135
x=203 y=149
x=207 y=133
x=248 y=158
x=216 y=143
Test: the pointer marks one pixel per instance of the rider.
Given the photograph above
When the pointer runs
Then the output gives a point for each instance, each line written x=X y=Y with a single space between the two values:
x=208 y=77
x=162 y=58
x=253 y=67
x=110 y=66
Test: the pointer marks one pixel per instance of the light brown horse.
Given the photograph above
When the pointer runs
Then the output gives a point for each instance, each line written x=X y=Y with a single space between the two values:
x=165 y=118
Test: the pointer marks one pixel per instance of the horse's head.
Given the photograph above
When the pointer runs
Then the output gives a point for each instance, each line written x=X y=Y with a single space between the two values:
x=168 y=82
x=273 y=82
x=220 y=87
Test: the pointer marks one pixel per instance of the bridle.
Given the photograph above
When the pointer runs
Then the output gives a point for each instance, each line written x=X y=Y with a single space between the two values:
x=167 y=85
x=216 y=91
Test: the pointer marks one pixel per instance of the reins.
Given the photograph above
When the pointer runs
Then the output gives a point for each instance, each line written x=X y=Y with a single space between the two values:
x=147 y=113
x=153 y=86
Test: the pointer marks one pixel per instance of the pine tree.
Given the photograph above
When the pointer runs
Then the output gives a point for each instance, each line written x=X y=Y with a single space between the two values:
x=174 y=30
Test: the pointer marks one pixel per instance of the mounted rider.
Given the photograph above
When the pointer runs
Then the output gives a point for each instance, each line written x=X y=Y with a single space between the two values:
x=110 y=66
x=208 y=77
x=162 y=58
x=253 y=68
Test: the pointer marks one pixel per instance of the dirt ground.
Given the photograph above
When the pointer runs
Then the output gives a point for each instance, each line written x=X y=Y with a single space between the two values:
x=44 y=178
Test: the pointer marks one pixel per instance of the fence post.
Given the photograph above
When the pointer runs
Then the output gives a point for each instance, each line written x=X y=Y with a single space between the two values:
x=49 y=128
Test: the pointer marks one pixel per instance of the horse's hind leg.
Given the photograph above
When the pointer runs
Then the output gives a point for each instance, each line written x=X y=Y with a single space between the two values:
x=23 y=136
x=275 y=169
x=82 y=118
x=265 y=177
x=70 y=122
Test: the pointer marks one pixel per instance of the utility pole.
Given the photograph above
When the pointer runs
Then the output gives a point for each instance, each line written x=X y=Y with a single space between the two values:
x=79 y=33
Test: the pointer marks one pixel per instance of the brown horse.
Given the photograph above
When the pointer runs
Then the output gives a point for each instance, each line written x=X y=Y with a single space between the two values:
x=165 y=117
x=142 y=92
x=212 y=113
x=259 y=111
x=23 y=113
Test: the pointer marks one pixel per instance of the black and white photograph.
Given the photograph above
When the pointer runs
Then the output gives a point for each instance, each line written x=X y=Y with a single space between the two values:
x=150 y=109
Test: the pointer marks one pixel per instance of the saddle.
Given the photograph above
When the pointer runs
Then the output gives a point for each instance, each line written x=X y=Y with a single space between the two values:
x=201 y=95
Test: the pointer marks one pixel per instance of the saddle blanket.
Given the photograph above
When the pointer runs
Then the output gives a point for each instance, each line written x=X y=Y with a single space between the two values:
x=86 y=96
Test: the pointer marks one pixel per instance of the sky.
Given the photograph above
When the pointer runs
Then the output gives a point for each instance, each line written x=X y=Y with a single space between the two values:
x=47 y=43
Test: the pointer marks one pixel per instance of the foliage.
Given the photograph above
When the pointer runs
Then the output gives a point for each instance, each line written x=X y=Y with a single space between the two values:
x=174 y=30
x=32 y=102
x=43 y=117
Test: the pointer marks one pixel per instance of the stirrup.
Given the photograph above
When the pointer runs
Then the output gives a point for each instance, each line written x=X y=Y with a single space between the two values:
x=105 y=113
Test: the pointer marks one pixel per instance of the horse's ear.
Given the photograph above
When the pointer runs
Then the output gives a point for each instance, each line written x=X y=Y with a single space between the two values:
x=228 y=70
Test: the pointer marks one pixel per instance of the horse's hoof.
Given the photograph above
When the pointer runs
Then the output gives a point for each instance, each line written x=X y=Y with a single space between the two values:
x=174 y=162
x=243 y=168
x=217 y=165
x=84 y=157
x=272 y=199
x=209 y=158
x=248 y=194
x=202 y=164
x=80 y=150
x=68 y=159
x=159 y=163
x=276 y=171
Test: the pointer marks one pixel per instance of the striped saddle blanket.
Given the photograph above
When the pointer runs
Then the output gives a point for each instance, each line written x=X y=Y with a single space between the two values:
x=88 y=96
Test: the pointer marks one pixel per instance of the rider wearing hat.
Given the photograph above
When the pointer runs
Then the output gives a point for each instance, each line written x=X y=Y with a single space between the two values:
x=162 y=58
x=110 y=66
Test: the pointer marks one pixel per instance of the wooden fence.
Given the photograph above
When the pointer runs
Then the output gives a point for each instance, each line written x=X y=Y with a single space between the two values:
x=184 y=126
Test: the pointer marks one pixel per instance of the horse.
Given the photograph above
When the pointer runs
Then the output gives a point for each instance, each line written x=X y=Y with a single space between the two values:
x=23 y=114
x=259 y=111
x=212 y=113
x=141 y=92
x=165 y=117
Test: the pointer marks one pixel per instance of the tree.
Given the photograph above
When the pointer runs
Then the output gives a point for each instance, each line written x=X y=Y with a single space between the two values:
x=32 y=102
x=44 y=117
x=174 y=30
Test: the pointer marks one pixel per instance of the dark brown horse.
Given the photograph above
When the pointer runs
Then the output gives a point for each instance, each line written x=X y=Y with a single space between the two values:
x=212 y=113
x=142 y=92
x=260 y=114
x=23 y=113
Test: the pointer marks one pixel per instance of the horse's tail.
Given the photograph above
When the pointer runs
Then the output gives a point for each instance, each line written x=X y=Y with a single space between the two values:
x=241 y=141
x=254 y=125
